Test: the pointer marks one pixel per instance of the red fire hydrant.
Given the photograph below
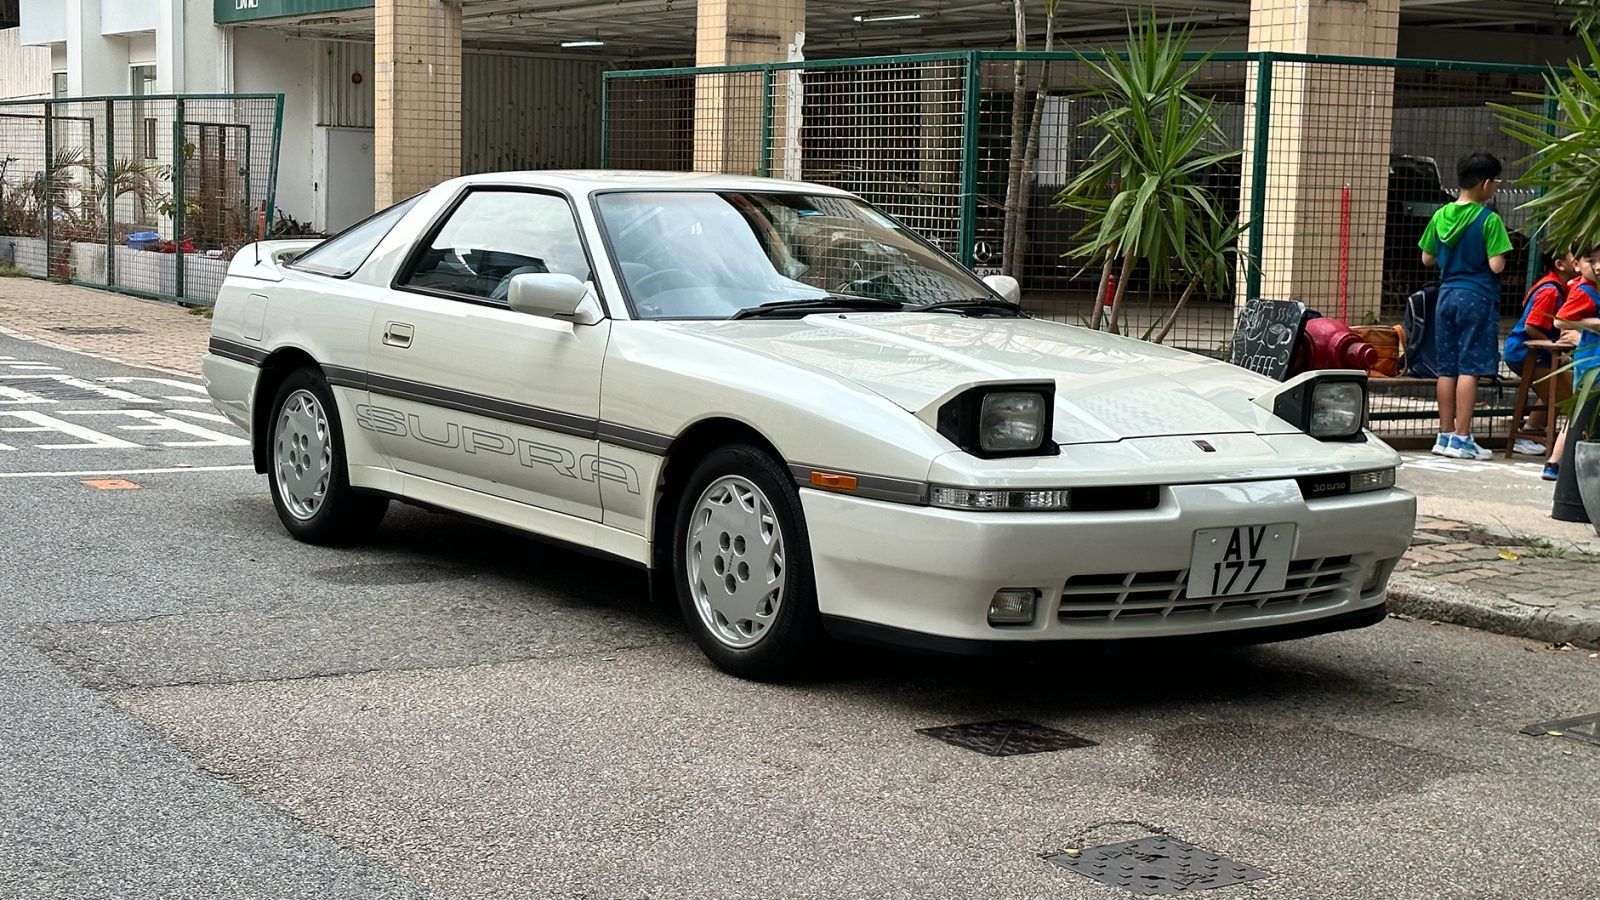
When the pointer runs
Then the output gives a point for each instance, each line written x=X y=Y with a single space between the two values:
x=1330 y=344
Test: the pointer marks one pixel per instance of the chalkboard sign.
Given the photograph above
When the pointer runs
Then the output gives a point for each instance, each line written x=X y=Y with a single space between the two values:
x=1266 y=336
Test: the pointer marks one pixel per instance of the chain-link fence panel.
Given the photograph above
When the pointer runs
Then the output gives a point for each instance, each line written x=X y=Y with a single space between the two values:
x=149 y=195
x=24 y=188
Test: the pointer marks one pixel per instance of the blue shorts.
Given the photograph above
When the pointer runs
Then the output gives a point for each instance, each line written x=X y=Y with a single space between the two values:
x=1466 y=333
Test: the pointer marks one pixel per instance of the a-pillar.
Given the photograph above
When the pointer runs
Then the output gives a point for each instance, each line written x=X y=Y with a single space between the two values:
x=416 y=97
x=1327 y=152
x=732 y=110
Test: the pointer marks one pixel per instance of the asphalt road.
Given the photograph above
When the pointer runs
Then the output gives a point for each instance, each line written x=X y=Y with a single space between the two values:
x=196 y=706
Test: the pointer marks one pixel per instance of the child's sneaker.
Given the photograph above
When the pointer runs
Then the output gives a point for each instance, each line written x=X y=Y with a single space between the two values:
x=1552 y=471
x=1441 y=447
x=1526 y=447
x=1467 y=448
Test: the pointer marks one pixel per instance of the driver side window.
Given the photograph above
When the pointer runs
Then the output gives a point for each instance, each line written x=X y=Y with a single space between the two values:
x=495 y=235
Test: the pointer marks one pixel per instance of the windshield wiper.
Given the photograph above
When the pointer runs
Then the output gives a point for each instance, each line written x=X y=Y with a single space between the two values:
x=977 y=305
x=817 y=304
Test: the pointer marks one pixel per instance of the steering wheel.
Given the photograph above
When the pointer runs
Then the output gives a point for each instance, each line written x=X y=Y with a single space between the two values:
x=649 y=284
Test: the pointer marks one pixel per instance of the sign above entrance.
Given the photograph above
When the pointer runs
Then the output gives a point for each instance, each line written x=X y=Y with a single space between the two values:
x=228 y=11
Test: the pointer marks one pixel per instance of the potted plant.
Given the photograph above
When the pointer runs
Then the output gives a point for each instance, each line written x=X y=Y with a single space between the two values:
x=1566 y=154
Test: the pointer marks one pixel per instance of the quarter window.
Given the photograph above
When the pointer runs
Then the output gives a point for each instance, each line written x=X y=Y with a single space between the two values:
x=342 y=254
x=494 y=236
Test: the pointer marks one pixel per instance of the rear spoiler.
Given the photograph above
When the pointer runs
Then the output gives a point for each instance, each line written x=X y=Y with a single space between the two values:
x=264 y=260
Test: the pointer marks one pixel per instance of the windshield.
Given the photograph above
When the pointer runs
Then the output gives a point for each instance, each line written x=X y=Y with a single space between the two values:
x=709 y=255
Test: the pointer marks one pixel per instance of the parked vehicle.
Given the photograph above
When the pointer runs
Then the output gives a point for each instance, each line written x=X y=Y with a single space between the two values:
x=803 y=417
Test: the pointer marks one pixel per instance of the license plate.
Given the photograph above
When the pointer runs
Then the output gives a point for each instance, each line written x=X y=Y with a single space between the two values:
x=1248 y=559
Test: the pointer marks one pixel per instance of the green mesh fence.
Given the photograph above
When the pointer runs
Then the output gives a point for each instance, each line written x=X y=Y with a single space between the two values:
x=1339 y=162
x=146 y=195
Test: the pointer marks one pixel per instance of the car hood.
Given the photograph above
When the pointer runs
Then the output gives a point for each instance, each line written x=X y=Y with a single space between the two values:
x=1108 y=388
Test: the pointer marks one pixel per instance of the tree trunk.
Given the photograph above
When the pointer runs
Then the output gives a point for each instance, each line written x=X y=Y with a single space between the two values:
x=1100 y=294
x=1122 y=291
x=1183 y=299
x=1018 y=239
x=1019 y=103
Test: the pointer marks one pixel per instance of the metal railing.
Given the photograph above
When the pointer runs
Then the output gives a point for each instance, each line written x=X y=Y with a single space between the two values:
x=146 y=195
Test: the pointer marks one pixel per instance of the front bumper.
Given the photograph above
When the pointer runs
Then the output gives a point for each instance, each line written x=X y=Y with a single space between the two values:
x=896 y=569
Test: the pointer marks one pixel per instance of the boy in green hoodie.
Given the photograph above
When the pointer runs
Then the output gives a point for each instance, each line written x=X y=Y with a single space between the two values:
x=1469 y=243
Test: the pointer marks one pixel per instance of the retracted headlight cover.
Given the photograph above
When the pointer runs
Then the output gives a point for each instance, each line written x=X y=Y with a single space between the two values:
x=1001 y=420
x=1330 y=405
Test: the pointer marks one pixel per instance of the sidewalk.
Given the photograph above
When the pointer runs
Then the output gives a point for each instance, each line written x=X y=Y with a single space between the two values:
x=127 y=329
x=1486 y=554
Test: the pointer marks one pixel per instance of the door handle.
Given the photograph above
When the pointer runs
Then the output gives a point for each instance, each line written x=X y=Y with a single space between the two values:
x=397 y=334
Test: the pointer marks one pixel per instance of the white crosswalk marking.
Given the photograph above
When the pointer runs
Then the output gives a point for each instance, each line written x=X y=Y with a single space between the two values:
x=92 y=440
x=155 y=421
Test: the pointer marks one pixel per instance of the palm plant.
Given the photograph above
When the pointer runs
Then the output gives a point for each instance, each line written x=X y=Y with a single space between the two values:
x=1144 y=193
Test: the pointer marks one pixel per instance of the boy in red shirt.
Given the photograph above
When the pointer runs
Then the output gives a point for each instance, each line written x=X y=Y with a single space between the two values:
x=1579 y=319
x=1538 y=323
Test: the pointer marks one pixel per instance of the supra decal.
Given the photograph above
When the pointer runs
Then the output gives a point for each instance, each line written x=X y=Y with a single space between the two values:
x=469 y=439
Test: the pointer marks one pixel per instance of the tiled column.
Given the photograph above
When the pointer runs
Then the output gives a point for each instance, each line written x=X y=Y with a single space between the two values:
x=728 y=121
x=1327 y=153
x=416 y=97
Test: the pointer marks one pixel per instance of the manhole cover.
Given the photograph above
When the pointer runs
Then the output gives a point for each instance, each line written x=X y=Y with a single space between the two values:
x=95 y=329
x=1007 y=737
x=1157 y=865
x=392 y=573
x=1581 y=728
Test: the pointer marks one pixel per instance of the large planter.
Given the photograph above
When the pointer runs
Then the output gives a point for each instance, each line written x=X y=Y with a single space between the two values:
x=146 y=270
x=89 y=262
x=28 y=253
x=1586 y=463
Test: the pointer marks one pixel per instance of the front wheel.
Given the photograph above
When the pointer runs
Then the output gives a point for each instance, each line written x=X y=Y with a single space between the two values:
x=742 y=564
x=306 y=467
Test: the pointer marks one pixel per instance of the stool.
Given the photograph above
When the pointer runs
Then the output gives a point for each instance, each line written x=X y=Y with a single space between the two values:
x=1549 y=392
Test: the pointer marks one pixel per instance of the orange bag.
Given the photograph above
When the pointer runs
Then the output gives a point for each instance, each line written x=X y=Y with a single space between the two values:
x=1390 y=342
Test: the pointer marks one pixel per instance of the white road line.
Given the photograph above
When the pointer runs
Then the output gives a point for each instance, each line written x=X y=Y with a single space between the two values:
x=92 y=472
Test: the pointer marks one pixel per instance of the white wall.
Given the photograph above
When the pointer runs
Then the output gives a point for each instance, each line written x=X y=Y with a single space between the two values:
x=127 y=16
x=142 y=51
x=204 y=60
x=95 y=64
x=267 y=62
x=44 y=21
x=24 y=71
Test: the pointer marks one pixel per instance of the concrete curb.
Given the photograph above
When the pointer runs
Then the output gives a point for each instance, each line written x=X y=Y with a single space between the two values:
x=1552 y=622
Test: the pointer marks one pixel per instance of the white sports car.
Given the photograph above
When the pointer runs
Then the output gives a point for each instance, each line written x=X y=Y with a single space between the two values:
x=801 y=416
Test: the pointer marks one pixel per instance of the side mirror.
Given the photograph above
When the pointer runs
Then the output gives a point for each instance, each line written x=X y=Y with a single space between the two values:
x=553 y=295
x=1005 y=286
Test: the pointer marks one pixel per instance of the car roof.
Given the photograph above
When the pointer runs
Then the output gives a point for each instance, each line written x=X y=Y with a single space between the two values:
x=587 y=181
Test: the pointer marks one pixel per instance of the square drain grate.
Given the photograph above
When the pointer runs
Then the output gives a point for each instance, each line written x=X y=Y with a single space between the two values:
x=1007 y=737
x=1157 y=865
x=95 y=329
x=1580 y=728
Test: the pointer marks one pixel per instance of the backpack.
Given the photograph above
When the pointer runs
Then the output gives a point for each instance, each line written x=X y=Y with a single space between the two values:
x=1422 y=361
x=1390 y=342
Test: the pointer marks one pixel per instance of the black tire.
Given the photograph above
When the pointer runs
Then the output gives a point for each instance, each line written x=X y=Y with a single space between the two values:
x=791 y=642
x=344 y=516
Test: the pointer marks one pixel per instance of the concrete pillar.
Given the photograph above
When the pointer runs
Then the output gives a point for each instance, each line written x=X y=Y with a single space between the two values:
x=728 y=120
x=170 y=47
x=96 y=64
x=1327 y=155
x=416 y=97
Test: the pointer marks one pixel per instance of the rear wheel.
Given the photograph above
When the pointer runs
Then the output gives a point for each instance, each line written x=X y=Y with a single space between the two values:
x=306 y=467
x=742 y=563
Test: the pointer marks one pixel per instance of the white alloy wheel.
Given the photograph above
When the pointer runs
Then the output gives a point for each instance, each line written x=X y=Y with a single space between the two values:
x=734 y=561
x=302 y=454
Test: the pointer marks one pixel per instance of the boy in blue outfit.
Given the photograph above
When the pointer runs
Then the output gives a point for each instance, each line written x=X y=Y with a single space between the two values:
x=1469 y=243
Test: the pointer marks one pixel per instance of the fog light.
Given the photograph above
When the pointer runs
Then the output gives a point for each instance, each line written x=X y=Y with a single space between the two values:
x=1375 y=480
x=1012 y=606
